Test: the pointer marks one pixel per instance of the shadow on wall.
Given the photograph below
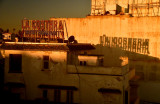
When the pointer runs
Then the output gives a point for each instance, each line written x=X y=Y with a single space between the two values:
x=112 y=56
x=147 y=67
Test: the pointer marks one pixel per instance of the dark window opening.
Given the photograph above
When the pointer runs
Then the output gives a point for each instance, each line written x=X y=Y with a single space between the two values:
x=126 y=97
x=80 y=62
x=45 y=57
x=83 y=63
x=57 y=95
x=15 y=63
x=46 y=65
x=46 y=62
x=45 y=93
x=69 y=97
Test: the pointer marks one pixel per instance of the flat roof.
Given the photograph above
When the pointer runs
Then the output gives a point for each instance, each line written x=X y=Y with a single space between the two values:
x=46 y=46
x=80 y=46
x=34 y=46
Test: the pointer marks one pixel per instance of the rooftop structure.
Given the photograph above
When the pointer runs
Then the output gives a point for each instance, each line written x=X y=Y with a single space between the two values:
x=64 y=73
x=45 y=46
x=132 y=7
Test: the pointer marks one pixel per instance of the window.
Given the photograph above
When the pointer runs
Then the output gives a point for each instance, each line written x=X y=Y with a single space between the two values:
x=83 y=63
x=45 y=62
x=57 y=95
x=45 y=93
x=69 y=97
x=15 y=63
x=126 y=97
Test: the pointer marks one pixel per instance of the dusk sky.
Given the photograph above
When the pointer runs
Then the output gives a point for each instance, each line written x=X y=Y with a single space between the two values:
x=13 y=11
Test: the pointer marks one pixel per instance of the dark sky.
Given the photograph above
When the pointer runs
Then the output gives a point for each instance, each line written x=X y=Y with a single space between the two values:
x=13 y=11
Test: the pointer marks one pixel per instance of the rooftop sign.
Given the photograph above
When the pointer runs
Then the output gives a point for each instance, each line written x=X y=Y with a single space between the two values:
x=43 y=29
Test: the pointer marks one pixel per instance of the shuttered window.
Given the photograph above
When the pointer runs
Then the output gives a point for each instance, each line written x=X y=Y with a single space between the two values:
x=15 y=63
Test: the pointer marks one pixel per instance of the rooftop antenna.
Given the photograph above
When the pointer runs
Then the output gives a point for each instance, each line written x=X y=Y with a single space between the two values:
x=66 y=29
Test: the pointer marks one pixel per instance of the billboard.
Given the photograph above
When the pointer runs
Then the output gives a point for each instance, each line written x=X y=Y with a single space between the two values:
x=43 y=29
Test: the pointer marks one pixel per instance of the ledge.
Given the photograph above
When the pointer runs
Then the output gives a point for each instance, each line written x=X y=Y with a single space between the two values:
x=45 y=86
x=97 y=70
x=106 y=90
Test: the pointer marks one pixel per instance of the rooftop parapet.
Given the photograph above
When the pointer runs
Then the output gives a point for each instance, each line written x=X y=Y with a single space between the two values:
x=111 y=71
x=45 y=46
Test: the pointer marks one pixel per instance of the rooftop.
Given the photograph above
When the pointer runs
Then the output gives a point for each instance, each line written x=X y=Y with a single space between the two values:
x=45 y=46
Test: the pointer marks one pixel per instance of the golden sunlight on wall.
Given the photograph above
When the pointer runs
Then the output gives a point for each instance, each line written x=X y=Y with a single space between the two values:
x=91 y=28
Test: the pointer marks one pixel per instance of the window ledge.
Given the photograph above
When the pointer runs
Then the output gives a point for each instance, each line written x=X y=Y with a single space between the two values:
x=46 y=70
x=14 y=72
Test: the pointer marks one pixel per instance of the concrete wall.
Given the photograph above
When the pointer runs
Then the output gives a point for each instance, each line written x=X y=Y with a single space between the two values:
x=147 y=64
x=147 y=93
x=32 y=66
x=58 y=74
x=89 y=29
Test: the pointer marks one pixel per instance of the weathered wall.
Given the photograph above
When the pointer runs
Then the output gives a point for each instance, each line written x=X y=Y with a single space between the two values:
x=147 y=93
x=89 y=29
x=147 y=64
x=32 y=75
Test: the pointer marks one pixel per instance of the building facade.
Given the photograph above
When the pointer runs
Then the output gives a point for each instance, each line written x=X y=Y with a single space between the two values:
x=134 y=34
x=119 y=30
x=62 y=73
